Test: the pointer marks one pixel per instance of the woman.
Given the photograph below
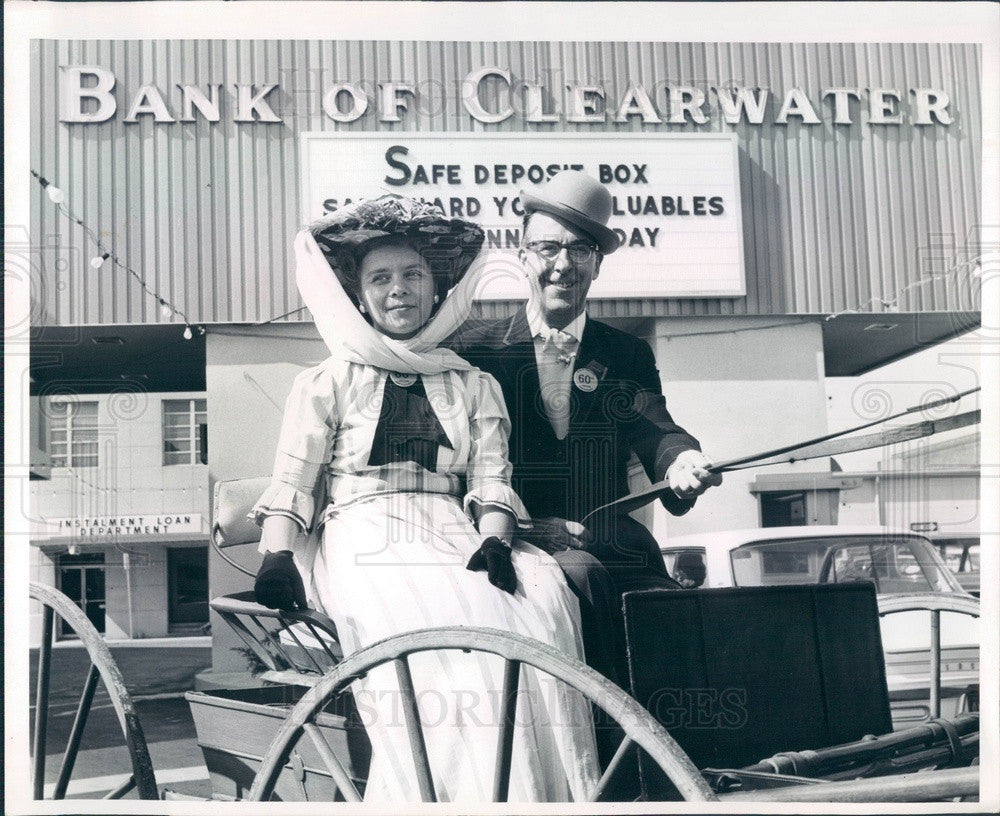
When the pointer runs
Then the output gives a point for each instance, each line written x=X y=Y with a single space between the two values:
x=417 y=515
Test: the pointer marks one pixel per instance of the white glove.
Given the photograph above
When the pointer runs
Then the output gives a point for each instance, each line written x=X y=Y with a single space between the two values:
x=689 y=476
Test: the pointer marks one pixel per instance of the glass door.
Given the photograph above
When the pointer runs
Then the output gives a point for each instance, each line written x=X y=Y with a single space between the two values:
x=187 y=581
x=81 y=577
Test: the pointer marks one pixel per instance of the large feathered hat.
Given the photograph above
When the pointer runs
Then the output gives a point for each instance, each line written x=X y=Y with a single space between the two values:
x=449 y=245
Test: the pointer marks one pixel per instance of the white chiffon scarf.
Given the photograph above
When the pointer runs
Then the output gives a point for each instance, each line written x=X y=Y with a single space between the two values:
x=351 y=338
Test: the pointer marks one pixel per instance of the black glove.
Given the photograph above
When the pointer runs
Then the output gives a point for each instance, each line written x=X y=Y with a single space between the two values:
x=278 y=584
x=494 y=557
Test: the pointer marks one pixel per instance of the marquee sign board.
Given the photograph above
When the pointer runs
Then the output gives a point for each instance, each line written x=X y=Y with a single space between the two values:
x=676 y=198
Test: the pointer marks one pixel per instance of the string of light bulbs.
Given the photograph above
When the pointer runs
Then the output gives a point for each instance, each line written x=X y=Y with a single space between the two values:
x=167 y=309
x=891 y=304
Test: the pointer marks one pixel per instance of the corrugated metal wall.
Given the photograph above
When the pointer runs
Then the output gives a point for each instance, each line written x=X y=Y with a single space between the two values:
x=833 y=215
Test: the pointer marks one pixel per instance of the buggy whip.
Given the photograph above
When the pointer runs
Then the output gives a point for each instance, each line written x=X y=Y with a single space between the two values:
x=827 y=445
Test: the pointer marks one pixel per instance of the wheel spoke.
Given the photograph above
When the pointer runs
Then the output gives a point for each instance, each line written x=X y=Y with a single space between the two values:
x=934 y=698
x=42 y=702
x=274 y=770
x=122 y=789
x=505 y=740
x=935 y=603
x=340 y=776
x=637 y=723
x=413 y=730
x=613 y=766
x=55 y=603
x=76 y=733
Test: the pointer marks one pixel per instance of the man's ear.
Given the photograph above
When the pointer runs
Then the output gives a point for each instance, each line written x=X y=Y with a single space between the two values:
x=597 y=266
x=522 y=254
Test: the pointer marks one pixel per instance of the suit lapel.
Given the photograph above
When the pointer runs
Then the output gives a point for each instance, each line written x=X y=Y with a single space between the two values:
x=518 y=330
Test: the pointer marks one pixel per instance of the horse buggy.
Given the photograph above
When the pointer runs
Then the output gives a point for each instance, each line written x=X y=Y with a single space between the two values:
x=736 y=693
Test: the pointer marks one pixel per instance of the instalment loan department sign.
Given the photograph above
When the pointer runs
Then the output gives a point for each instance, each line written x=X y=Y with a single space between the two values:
x=122 y=526
x=676 y=198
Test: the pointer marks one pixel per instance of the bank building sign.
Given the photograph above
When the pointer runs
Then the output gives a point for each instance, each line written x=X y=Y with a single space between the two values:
x=123 y=526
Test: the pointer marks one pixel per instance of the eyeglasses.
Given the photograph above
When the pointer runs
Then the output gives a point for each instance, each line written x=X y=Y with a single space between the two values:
x=578 y=253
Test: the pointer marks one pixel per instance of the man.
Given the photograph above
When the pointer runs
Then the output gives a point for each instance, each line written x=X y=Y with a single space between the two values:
x=582 y=398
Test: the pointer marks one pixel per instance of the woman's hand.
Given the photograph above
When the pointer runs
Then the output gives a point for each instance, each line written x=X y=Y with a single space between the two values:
x=278 y=584
x=494 y=557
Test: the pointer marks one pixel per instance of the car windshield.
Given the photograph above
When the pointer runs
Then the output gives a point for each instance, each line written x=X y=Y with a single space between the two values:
x=895 y=564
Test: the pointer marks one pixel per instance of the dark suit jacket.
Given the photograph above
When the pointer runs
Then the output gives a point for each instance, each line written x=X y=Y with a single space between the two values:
x=625 y=413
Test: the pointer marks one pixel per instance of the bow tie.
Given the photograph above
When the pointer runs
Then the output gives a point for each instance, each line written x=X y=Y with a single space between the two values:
x=564 y=342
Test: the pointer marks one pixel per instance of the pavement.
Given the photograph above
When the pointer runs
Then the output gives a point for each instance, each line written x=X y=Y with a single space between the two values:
x=153 y=666
x=157 y=672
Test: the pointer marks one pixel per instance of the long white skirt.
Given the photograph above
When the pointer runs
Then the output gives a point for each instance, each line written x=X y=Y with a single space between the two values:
x=396 y=563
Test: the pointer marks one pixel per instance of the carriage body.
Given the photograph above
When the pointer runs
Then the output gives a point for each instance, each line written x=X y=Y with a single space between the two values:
x=253 y=739
x=902 y=565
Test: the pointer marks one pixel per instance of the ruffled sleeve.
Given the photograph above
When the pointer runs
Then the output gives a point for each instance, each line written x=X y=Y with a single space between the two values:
x=489 y=470
x=304 y=448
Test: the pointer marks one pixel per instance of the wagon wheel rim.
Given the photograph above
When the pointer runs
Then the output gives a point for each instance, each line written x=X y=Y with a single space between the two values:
x=103 y=667
x=935 y=603
x=639 y=726
x=928 y=601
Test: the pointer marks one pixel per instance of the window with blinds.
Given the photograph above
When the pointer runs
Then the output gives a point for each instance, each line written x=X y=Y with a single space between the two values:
x=184 y=424
x=72 y=434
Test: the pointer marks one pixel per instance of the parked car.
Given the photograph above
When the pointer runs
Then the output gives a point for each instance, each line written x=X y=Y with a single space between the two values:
x=961 y=554
x=907 y=572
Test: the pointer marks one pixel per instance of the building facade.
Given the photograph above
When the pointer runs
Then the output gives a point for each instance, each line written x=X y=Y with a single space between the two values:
x=790 y=213
x=120 y=524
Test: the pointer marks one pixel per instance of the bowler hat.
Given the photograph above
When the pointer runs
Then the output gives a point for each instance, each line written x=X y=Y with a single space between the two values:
x=578 y=199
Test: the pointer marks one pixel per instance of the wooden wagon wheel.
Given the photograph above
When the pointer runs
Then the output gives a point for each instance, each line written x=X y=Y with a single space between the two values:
x=639 y=726
x=102 y=666
x=935 y=603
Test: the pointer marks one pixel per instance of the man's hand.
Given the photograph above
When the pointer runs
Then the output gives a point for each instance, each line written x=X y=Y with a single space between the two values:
x=554 y=534
x=689 y=476
x=278 y=584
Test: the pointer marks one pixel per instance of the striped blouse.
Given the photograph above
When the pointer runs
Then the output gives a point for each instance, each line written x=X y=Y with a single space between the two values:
x=329 y=426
